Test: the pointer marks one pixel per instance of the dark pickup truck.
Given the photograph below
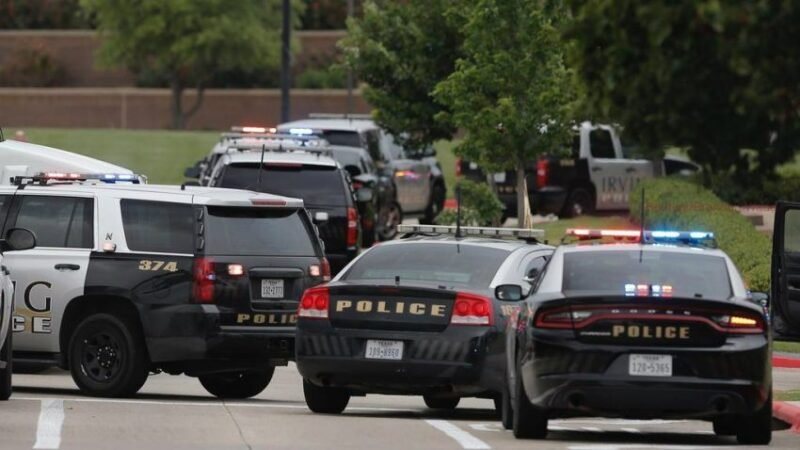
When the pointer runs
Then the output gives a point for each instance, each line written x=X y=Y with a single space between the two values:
x=599 y=176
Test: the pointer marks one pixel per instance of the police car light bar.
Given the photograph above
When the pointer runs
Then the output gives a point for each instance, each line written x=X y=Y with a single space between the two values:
x=585 y=233
x=254 y=130
x=650 y=236
x=44 y=177
x=520 y=233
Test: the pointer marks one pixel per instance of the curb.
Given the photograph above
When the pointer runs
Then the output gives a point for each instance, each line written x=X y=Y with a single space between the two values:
x=785 y=362
x=788 y=413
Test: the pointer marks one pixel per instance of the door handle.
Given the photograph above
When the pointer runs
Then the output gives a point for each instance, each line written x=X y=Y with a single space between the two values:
x=596 y=169
x=67 y=267
x=630 y=169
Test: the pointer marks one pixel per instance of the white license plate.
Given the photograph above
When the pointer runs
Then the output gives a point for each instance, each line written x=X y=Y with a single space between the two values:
x=650 y=365
x=499 y=177
x=271 y=288
x=384 y=350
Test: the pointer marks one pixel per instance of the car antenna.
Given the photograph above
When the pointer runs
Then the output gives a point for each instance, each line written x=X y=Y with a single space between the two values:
x=641 y=226
x=261 y=165
x=458 y=212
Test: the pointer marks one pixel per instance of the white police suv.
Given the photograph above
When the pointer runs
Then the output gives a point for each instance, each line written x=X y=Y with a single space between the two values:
x=128 y=279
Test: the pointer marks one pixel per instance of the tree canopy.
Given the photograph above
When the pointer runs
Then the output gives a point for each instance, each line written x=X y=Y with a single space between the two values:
x=188 y=40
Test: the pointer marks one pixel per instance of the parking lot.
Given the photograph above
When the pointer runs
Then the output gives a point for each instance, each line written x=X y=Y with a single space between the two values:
x=48 y=412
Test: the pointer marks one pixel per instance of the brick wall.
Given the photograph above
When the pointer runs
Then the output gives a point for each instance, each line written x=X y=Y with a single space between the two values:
x=76 y=49
x=150 y=108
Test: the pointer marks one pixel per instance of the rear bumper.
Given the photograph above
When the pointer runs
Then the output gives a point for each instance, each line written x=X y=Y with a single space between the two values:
x=190 y=339
x=461 y=360
x=574 y=379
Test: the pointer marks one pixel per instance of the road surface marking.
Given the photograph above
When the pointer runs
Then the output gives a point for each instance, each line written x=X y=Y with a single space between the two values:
x=487 y=426
x=205 y=403
x=51 y=419
x=464 y=439
x=641 y=446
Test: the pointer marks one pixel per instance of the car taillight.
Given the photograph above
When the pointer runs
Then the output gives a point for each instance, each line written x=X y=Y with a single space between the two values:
x=740 y=323
x=314 y=304
x=321 y=270
x=204 y=279
x=559 y=318
x=458 y=167
x=471 y=309
x=542 y=168
x=352 y=227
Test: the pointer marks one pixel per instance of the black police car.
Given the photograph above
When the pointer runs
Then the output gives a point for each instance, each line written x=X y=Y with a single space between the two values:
x=415 y=316
x=641 y=331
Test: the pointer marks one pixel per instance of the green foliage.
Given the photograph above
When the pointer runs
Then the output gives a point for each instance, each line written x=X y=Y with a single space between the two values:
x=327 y=14
x=188 y=41
x=31 y=67
x=42 y=14
x=331 y=77
x=714 y=77
x=672 y=203
x=402 y=50
x=479 y=206
x=736 y=190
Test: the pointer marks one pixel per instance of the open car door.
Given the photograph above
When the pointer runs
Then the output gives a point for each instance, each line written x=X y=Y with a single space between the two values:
x=786 y=270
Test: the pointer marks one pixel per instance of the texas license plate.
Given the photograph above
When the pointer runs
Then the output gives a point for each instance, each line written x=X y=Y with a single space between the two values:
x=650 y=365
x=377 y=349
x=271 y=288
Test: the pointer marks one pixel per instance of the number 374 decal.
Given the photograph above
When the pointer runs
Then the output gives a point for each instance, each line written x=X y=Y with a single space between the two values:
x=155 y=266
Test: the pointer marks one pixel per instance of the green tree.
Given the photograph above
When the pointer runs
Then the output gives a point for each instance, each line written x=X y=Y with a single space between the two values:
x=714 y=77
x=188 y=40
x=402 y=50
x=511 y=91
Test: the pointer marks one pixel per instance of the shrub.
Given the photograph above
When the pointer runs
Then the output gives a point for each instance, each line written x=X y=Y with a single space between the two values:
x=31 y=67
x=679 y=204
x=331 y=77
x=479 y=206
x=757 y=190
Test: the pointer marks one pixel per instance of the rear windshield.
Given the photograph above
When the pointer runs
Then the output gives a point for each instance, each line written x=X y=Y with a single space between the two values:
x=316 y=185
x=348 y=138
x=687 y=275
x=443 y=264
x=257 y=232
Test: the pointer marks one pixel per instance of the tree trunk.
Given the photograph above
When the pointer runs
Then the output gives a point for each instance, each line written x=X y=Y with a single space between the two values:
x=198 y=102
x=177 y=103
x=524 y=219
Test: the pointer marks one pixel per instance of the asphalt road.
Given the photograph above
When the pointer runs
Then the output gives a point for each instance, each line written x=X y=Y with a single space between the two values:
x=175 y=412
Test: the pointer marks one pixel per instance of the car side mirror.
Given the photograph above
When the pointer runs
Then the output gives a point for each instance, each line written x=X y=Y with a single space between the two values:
x=321 y=217
x=364 y=195
x=761 y=299
x=192 y=172
x=509 y=292
x=18 y=239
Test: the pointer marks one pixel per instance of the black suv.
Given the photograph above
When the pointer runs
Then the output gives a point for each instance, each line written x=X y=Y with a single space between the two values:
x=319 y=180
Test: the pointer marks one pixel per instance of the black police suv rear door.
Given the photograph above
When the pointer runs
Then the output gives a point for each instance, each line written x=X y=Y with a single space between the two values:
x=255 y=264
x=786 y=270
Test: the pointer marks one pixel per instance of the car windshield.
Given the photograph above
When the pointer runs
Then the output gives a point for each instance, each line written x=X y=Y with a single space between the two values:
x=316 y=185
x=448 y=265
x=687 y=275
x=257 y=231
x=348 y=138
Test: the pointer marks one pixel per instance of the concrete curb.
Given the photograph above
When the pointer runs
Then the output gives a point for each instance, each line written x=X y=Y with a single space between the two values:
x=785 y=362
x=789 y=413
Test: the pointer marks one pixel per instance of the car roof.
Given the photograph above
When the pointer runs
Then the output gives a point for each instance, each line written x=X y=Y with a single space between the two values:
x=332 y=124
x=309 y=158
x=684 y=249
x=170 y=193
x=509 y=245
x=61 y=160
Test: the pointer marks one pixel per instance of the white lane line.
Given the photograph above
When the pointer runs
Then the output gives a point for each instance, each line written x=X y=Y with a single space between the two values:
x=464 y=439
x=51 y=419
x=218 y=404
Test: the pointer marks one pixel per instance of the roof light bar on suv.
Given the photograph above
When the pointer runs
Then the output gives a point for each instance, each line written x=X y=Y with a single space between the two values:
x=518 y=233
x=45 y=177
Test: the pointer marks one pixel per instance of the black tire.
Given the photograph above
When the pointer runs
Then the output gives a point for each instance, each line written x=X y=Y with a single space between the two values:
x=528 y=421
x=756 y=428
x=435 y=205
x=579 y=202
x=5 y=374
x=389 y=218
x=725 y=426
x=504 y=410
x=325 y=400
x=446 y=403
x=237 y=384
x=107 y=356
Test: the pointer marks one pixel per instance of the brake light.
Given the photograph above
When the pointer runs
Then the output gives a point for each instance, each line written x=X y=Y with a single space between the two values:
x=542 y=172
x=560 y=318
x=314 y=304
x=471 y=309
x=739 y=323
x=203 y=280
x=458 y=166
x=321 y=270
x=352 y=227
x=357 y=185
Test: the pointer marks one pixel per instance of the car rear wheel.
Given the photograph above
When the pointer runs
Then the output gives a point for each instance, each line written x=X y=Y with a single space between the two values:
x=448 y=403
x=5 y=374
x=756 y=429
x=725 y=426
x=503 y=406
x=237 y=384
x=325 y=400
x=390 y=217
x=435 y=205
x=528 y=421
x=579 y=203
x=107 y=356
